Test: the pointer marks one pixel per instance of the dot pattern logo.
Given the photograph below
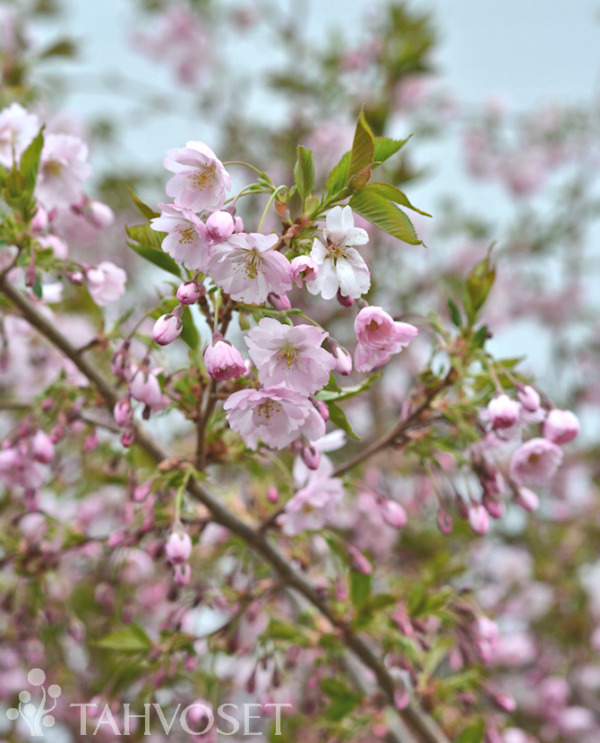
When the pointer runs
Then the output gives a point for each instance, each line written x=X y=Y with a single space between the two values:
x=35 y=714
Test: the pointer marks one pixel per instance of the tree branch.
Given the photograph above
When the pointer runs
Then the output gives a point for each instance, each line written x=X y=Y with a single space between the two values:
x=419 y=723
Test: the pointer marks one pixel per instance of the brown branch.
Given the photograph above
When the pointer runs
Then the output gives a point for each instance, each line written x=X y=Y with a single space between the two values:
x=419 y=723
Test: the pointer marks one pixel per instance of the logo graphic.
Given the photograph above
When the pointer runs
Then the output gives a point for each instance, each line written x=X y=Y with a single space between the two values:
x=37 y=716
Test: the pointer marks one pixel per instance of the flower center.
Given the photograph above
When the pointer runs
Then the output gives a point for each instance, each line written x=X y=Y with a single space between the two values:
x=202 y=177
x=52 y=167
x=533 y=458
x=336 y=250
x=289 y=354
x=253 y=262
x=267 y=408
x=186 y=235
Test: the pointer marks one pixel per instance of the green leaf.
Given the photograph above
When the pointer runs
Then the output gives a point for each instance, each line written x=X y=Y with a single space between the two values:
x=130 y=639
x=344 y=699
x=279 y=630
x=30 y=162
x=378 y=210
x=477 y=287
x=363 y=146
x=395 y=195
x=339 y=175
x=338 y=418
x=146 y=243
x=189 y=334
x=385 y=147
x=360 y=587
x=145 y=210
x=63 y=48
x=454 y=314
x=304 y=172
x=473 y=734
x=332 y=392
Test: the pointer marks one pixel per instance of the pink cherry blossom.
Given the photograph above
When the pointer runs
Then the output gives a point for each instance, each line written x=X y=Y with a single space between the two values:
x=341 y=267
x=535 y=461
x=479 y=519
x=200 y=182
x=186 y=240
x=63 y=168
x=290 y=355
x=248 y=269
x=379 y=336
x=145 y=388
x=18 y=127
x=561 y=426
x=529 y=398
x=106 y=283
x=276 y=415
x=304 y=268
x=42 y=447
x=312 y=507
x=189 y=292
x=224 y=361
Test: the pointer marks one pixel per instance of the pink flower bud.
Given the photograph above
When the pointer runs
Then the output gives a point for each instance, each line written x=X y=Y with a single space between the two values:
x=529 y=398
x=98 y=214
x=280 y=302
x=145 y=388
x=492 y=506
x=76 y=277
x=359 y=562
x=344 y=301
x=122 y=412
x=178 y=547
x=527 y=499
x=311 y=457
x=182 y=575
x=343 y=360
x=561 y=426
x=393 y=514
x=40 y=220
x=238 y=224
x=272 y=494
x=220 y=226
x=141 y=492
x=166 y=329
x=224 y=361
x=42 y=447
x=322 y=408
x=190 y=292
x=503 y=411
x=444 y=521
x=91 y=441
x=479 y=519
x=128 y=438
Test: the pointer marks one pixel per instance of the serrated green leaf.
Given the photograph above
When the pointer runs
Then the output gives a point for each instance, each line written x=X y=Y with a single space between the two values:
x=338 y=418
x=332 y=392
x=30 y=162
x=304 y=172
x=145 y=210
x=339 y=175
x=454 y=314
x=130 y=639
x=383 y=214
x=477 y=287
x=363 y=146
x=385 y=147
x=395 y=195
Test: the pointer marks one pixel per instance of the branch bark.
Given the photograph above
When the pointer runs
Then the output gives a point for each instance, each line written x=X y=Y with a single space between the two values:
x=421 y=725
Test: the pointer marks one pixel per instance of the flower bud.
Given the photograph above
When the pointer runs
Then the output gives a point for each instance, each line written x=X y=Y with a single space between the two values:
x=527 y=499
x=393 y=514
x=224 y=361
x=529 y=398
x=122 y=412
x=145 y=388
x=190 y=292
x=444 y=521
x=220 y=226
x=561 y=426
x=272 y=494
x=359 y=562
x=479 y=519
x=311 y=457
x=343 y=360
x=98 y=214
x=42 y=447
x=178 y=547
x=279 y=301
x=322 y=408
x=344 y=301
x=166 y=329
x=503 y=412
x=182 y=575
x=492 y=506
x=303 y=268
